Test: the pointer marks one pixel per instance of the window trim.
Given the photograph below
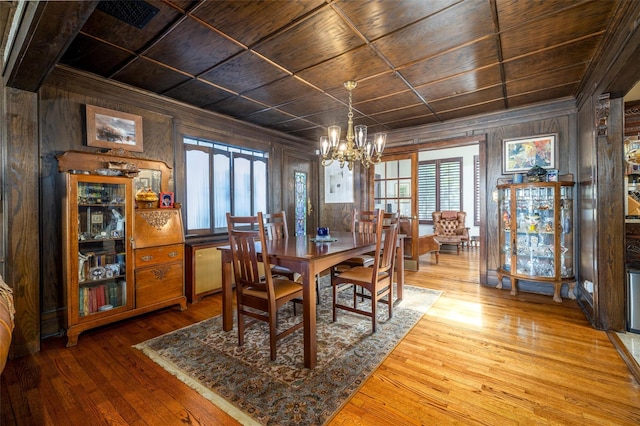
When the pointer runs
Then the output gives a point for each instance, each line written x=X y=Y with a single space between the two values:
x=476 y=190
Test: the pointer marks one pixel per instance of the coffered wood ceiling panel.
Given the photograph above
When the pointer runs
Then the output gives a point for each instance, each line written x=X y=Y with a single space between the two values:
x=282 y=64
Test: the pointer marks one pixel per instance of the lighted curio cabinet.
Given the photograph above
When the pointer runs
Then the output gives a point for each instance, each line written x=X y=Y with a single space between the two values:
x=536 y=235
x=118 y=261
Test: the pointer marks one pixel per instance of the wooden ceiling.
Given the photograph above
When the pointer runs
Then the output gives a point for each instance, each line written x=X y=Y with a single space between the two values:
x=282 y=64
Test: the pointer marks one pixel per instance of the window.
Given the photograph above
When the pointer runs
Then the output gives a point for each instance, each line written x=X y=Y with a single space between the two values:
x=219 y=179
x=439 y=187
x=392 y=186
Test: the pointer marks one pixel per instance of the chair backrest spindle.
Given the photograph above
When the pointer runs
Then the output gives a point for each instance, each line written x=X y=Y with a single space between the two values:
x=364 y=222
x=275 y=225
x=386 y=236
x=244 y=233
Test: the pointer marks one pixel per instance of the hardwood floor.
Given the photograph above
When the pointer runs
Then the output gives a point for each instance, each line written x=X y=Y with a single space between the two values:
x=479 y=356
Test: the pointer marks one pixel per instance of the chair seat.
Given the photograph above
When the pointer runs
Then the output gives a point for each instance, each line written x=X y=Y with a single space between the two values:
x=285 y=272
x=362 y=260
x=282 y=288
x=360 y=273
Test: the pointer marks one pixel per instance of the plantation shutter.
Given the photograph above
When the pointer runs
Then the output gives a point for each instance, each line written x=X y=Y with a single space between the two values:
x=450 y=185
x=439 y=187
x=426 y=190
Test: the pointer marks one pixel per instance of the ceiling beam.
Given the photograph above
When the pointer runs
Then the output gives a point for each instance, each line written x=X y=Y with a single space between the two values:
x=45 y=31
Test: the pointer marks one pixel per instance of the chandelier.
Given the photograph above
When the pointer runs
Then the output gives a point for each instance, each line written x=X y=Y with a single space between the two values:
x=357 y=147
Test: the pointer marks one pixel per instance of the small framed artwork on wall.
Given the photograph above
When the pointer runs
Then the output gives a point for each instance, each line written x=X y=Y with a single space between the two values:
x=521 y=154
x=107 y=128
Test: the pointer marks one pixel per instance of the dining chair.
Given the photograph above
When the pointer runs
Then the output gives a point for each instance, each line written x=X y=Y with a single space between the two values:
x=275 y=226
x=376 y=280
x=259 y=294
x=363 y=222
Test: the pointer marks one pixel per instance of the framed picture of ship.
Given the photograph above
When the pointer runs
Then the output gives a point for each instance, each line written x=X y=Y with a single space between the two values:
x=111 y=129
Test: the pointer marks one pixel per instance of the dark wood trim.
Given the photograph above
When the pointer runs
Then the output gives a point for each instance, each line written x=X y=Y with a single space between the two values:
x=47 y=30
x=626 y=356
x=23 y=218
x=610 y=70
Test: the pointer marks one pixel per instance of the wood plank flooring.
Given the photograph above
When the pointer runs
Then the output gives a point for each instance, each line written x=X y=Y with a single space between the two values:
x=479 y=356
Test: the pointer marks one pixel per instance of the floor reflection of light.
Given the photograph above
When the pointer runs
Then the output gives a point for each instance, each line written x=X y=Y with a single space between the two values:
x=462 y=312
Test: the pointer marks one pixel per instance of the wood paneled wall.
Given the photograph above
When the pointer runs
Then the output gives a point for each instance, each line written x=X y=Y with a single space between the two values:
x=601 y=209
x=62 y=103
x=23 y=217
x=601 y=171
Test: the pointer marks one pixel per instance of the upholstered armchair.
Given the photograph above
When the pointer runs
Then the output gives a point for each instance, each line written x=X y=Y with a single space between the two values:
x=449 y=227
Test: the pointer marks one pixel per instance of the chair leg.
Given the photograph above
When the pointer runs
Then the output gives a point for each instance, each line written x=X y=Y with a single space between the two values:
x=374 y=303
x=335 y=299
x=390 y=300
x=355 y=296
x=273 y=318
x=240 y=328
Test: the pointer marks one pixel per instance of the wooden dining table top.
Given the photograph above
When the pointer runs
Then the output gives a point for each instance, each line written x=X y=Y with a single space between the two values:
x=306 y=246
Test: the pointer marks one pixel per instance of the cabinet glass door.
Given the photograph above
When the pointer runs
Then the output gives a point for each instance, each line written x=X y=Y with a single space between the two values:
x=505 y=234
x=566 y=234
x=102 y=247
x=535 y=236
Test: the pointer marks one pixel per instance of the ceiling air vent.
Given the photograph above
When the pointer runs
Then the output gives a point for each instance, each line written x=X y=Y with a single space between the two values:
x=136 y=13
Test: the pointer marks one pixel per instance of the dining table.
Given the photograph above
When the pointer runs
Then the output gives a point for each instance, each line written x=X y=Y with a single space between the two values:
x=307 y=256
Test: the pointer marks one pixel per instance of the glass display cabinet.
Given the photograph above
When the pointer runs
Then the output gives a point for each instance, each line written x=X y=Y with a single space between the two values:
x=98 y=267
x=536 y=234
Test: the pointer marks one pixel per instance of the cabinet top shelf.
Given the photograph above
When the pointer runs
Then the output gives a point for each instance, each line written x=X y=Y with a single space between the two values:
x=100 y=240
x=101 y=204
x=534 y=184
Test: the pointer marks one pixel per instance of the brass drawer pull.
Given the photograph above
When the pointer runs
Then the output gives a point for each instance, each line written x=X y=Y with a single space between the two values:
x=147 y=258
x=173 y=254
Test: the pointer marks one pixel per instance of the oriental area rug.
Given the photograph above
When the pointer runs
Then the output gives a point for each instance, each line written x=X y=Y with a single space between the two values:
x=254 y=390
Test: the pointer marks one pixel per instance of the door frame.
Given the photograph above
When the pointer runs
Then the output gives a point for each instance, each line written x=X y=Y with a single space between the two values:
x=481 y=141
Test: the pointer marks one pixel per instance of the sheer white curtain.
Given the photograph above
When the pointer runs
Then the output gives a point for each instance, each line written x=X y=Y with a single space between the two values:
x=198 y=194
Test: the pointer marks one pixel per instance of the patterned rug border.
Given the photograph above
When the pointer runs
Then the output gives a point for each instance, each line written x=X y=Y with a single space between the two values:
x=209 y=394
x=237 y=412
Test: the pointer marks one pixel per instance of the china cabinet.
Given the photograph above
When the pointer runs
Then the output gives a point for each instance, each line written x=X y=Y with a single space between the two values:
x=119 y=261
x=536 y=235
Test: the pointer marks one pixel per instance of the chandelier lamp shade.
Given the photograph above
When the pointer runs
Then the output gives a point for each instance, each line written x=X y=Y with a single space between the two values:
x=356 y=147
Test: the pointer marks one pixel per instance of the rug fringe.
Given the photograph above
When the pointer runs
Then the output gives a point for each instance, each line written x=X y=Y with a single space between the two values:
x=212 y=396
